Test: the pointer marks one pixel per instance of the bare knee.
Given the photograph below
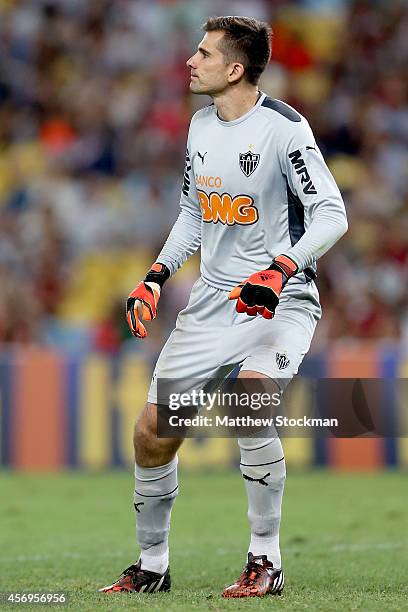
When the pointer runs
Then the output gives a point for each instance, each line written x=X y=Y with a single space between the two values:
x=251 y=374
x=143 y=438
x=151 y=451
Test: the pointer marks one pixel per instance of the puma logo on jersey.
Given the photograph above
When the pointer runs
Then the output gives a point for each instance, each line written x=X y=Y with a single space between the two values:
x=202 y=156
x=226 y=209
x=296 y=160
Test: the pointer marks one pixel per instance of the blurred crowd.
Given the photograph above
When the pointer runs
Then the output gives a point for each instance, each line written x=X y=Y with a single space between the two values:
x=94 y=112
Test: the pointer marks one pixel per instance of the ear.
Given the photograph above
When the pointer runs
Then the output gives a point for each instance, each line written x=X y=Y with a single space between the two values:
x=236 y=72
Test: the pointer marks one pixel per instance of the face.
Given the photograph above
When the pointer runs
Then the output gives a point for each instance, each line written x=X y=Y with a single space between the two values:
x=210 y=74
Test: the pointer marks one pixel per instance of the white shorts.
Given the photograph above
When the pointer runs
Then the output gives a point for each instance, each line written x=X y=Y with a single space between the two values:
x=210 y=339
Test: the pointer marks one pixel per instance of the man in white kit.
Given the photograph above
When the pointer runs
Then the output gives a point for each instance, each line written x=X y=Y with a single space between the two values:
x=260 y=201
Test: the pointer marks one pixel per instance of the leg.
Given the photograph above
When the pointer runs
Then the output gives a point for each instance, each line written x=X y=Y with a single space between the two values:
x=263 y=469
x=155 y=493
x=151 y=451
x=276 y=352
x=156 y=489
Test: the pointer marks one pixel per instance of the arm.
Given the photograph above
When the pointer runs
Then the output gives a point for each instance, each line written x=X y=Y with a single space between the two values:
x=183 y=240
x=185 y=236
x=310 y=188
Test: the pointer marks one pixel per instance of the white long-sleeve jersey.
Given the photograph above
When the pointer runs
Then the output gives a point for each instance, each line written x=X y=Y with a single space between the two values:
x=254 y=188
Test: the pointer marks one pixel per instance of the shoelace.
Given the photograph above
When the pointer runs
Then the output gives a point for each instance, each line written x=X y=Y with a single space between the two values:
x=134 y=572
x=130 y=571
x=252 y=570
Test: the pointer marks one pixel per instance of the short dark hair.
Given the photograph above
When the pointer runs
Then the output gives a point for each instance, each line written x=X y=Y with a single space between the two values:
x=246 y=40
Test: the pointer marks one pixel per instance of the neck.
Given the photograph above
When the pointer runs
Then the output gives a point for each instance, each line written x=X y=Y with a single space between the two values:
x=235 y=103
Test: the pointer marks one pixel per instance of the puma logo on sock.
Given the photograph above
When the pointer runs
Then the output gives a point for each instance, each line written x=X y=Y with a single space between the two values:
x=260 y=480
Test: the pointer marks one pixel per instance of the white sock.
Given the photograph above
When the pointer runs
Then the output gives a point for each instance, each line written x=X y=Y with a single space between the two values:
x=263 y=469
x=155 y=493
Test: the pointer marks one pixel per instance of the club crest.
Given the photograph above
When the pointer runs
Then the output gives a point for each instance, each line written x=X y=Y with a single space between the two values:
x=282 y=361
x=248 y=162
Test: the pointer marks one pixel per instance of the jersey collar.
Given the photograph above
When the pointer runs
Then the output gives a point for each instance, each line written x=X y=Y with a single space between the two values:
x=244 y=117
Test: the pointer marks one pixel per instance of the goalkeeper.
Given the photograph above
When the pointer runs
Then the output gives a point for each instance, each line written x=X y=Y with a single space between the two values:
x=261 y=203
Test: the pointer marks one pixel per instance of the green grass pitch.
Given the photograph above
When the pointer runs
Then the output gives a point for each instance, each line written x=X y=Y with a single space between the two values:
x=344 y=541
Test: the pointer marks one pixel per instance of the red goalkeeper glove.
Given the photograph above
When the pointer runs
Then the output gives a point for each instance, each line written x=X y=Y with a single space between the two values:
x=259 y=293
x=142 y=301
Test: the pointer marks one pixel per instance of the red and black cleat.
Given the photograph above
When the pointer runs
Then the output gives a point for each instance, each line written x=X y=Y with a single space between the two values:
x=136 y=580
x=258 y=578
